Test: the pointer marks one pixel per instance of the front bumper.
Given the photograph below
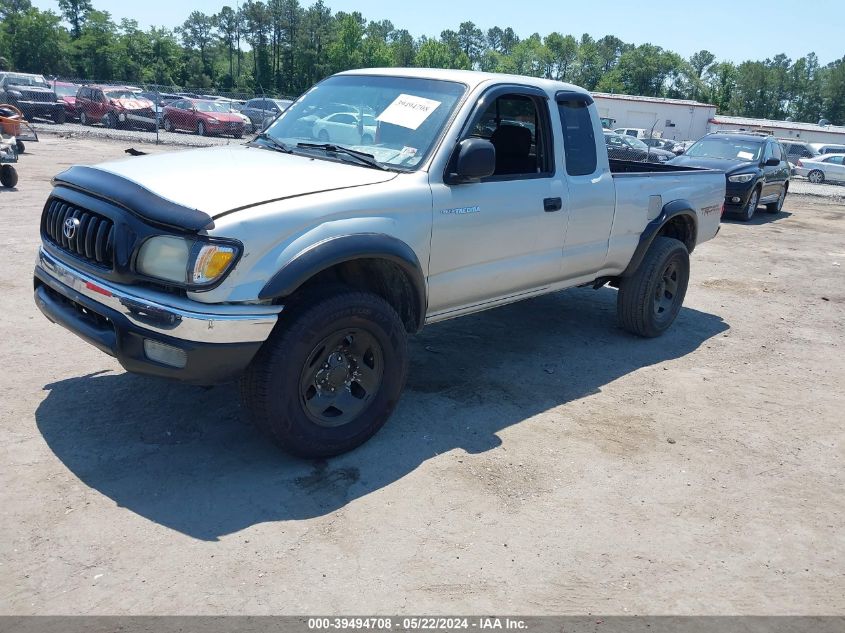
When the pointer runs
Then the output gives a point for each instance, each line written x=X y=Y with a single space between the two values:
x=40 y=108
x=217 y=342
x=737 y=194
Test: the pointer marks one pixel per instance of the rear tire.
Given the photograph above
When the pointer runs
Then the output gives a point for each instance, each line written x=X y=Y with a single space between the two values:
x=346 y=348
x=816 y=176
x=650 y=299
x=8 y=176
x=20 y=146
x=323 y=136
x=60 y=117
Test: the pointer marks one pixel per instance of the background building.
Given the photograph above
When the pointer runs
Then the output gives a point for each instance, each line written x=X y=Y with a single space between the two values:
x=677 y=119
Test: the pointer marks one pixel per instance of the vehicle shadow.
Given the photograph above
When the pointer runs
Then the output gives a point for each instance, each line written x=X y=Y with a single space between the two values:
x=760 y=217
x=180 y=456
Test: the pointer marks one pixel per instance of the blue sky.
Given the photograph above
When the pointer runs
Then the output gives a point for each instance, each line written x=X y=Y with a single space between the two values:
x=724 y=27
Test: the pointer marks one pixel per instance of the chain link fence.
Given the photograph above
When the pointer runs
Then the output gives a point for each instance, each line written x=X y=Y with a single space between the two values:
x=153 y=113
x=196 y=117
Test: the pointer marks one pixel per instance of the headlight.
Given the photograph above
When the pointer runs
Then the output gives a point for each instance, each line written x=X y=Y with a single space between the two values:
x=213 y=120
x=186 y=262
x=741 y=178
x=662 y=158
x=17 y=94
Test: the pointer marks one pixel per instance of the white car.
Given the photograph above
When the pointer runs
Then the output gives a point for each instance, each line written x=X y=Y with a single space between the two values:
x=344 y=127
x=825 y=167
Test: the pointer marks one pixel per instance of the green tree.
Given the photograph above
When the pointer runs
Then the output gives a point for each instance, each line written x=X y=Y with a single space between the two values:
x=563 y=51
x=75 y=12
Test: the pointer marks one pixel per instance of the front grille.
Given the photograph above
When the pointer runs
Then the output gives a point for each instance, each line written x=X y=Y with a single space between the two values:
x=92 y=238
x=36 y=95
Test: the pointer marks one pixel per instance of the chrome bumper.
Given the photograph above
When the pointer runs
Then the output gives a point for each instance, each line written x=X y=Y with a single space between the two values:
x=165 y=314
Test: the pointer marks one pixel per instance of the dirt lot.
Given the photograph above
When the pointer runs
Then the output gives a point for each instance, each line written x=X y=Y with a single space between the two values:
x=541 y=460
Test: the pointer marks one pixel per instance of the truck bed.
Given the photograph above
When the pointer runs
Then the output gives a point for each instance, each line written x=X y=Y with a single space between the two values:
x=618 y=167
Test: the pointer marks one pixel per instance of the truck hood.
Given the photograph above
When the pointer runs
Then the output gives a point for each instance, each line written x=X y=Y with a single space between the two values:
x=216 y=180
x=722 y=164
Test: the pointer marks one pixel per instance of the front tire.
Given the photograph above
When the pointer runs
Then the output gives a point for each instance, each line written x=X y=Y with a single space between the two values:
x=20 y=146
x=168 y=125
x=60 y=117
x=201 y=131
x=775 y=207
x=751 y=207
x=323 y=136
x=330 y=378
x=650 y=299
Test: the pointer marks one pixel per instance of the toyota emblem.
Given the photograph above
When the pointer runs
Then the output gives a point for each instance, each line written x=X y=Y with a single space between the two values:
x=69 y=229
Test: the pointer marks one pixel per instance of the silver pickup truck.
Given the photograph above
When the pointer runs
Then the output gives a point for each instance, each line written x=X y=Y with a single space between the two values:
x=379 y=202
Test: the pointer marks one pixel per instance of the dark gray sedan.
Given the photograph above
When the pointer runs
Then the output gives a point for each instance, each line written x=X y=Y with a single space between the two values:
x=262 y=110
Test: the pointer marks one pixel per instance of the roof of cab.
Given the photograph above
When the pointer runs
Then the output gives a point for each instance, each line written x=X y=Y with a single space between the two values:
x=471 y=78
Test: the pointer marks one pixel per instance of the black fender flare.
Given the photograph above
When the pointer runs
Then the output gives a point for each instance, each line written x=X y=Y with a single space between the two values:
x=344 y=248
x=676 y=208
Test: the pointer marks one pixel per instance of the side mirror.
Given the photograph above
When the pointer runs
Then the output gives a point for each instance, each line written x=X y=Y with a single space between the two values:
x=773 y=162
x=474 y=159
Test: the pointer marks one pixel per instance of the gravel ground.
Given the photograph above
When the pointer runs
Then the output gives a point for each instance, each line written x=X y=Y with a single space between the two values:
x=541 y=460
x=803 y=187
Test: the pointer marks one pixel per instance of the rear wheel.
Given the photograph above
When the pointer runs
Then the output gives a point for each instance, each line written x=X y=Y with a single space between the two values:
x=60 y=117
x=775 y=207
x=330 y=378
x=816 y=176
x=8 y=176
x=323 y=136
x=650 y=299
x=751 y=207
x=20 y=146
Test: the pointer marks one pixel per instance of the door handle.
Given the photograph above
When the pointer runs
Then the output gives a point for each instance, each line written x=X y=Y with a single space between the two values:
x=552 y=204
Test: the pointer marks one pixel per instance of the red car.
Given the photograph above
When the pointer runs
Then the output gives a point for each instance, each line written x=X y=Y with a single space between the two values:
x=66 y=92
x=115 y=107
x=203 y=116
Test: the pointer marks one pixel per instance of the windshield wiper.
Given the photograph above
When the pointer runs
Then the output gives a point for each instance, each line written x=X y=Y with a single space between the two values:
x=362 y=157
x=275 y=143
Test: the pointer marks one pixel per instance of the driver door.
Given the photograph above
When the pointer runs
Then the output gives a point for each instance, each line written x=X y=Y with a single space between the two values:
x=501 y=236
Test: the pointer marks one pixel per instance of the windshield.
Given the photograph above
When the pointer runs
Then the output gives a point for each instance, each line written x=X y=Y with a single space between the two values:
x=27 y=80
x=726 y=148
x=396 y=119
x=634 y=142
x=123 y=94
x=65 y=91
x=212 y=106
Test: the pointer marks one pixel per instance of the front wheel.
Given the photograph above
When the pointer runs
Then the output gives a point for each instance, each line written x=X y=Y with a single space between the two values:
x=329 y=379
x=775 y=207
x=650 y=299
x=20 y=146
x=168 y=125
x=323 y=136
x=201 y=129
x=83 y=119
x=751 y=207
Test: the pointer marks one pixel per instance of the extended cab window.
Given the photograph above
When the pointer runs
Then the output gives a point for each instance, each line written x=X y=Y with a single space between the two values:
x=514 y=125
x=579 y=142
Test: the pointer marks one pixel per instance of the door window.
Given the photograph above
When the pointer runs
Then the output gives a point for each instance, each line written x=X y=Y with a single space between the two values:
x=516 y=127
x=836 y=160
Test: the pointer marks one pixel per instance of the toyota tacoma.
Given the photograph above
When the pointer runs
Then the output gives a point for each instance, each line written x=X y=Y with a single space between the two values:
x=300 y=265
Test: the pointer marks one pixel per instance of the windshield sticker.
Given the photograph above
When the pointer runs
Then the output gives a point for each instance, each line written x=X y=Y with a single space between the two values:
x=745 y=155
x=408 y=111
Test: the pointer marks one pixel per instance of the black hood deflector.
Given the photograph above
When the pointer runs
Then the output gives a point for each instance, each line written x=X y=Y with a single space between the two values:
x=134 y=198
